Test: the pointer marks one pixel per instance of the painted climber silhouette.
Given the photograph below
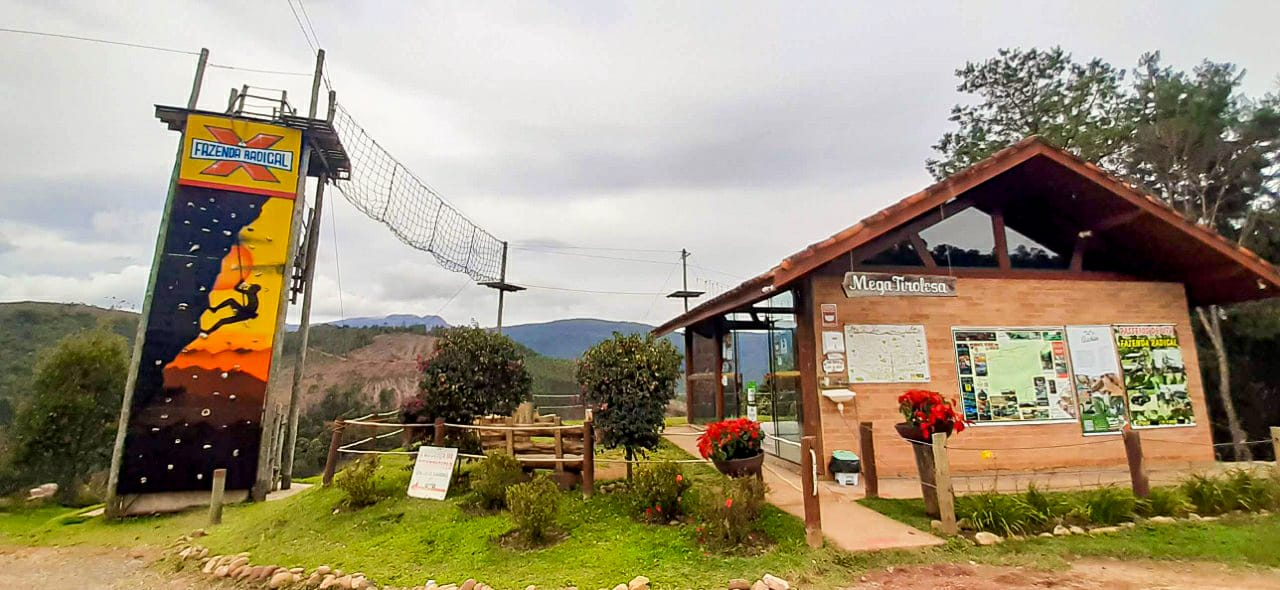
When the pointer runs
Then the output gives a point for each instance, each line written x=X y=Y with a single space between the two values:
x=240 y=312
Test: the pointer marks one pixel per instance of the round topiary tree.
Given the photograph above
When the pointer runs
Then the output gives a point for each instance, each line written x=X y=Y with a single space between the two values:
x=474 y=372
x=627 y=382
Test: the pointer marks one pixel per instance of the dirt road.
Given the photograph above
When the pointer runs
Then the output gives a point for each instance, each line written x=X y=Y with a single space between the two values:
x=85 y=568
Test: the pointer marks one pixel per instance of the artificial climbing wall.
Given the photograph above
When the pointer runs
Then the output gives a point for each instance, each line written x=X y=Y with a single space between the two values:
x=198 y=400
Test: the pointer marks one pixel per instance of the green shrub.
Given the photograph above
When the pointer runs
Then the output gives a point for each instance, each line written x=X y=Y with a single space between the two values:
x=1250 y=490
x=1208 y=494
x=491 y=478
x=1109 y=506
x=731 y=517
x=1163 y=502
x=474 y=372
x=534 y=505
x=358 y=483
x=1004 y=514
x=1046 y=508
x=627 y=380
x=657 y=490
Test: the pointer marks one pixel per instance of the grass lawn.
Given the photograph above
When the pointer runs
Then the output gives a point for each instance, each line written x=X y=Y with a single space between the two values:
x=403 y=541
x=1239 y=539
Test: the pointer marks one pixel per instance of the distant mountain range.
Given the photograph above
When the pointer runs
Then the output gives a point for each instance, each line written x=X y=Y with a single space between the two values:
x=568 y=339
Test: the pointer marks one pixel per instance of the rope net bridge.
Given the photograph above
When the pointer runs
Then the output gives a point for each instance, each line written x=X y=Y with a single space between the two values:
x=388 y=192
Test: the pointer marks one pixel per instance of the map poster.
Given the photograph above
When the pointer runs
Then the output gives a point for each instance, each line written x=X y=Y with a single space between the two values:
x=886 y=354
x=1155 y=378
x=1096 y=375
x=1014 y=375
x=432 y=472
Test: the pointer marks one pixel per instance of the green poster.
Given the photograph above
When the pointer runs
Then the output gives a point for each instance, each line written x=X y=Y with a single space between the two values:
x=1155 y=377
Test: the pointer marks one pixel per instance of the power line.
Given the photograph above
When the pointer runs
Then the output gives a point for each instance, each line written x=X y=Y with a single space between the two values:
x=590 y=291
x=719 y=272
x=531 y=245
x=656 y=297
x=337 y=264
x=579 y=254
x=302 y=28
x=145 y=46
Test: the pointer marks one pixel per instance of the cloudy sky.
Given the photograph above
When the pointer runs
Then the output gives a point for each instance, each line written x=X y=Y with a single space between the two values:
x=742 y=131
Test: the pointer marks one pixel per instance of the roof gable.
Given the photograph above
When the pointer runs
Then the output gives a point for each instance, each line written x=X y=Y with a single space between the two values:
x=1053 y=196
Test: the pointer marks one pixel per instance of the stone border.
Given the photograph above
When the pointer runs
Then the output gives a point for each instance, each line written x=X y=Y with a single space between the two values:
x=238 y=568
x=989 y=538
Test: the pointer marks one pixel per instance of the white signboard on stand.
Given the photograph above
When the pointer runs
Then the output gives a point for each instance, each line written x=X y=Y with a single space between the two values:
x=432 y=472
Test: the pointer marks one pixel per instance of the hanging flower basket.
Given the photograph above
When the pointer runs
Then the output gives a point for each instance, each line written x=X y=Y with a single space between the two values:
x=926 y=412
x=733 y=446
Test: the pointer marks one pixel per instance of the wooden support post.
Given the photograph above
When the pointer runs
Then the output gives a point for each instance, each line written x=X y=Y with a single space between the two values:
x=1275 y=443
x=588 y=456
x=559 y=446
x=869 y=476
x=924 y=465
x=942 y=483
x=331 y=463
x=437 y=434
x=215 y=498
x=511 y=442
x=809 y=489
x=1137 y=471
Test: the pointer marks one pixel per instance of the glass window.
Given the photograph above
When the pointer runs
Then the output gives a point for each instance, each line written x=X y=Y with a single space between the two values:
x=962 y=240
x=1025 y=252
x=900 y=254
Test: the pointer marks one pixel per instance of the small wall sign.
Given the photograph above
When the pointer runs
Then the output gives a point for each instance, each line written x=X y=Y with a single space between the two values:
x=432 y=472
x=828 y=315
x=881 y=284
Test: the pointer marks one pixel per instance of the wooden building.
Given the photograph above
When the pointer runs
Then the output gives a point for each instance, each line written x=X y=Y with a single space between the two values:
x=1049 y=299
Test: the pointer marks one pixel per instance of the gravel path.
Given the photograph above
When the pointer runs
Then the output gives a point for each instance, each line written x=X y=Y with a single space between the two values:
x=91 y=568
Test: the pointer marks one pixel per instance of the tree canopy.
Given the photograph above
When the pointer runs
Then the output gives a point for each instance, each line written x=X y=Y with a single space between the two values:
x=627 y=380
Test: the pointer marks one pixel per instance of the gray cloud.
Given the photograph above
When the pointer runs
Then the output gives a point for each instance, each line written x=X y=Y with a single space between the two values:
x=741 y=131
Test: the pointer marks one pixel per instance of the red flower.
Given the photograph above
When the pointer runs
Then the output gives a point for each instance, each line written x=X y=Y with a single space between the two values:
x=728 y=502
x=730 y=439
x=929 y=411
x=679 y=477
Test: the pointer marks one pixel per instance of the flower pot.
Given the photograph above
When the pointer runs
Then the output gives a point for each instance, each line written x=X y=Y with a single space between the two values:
x=913 y=432
x=744 y=467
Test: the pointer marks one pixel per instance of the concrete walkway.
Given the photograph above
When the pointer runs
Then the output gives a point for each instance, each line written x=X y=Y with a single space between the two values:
x=845 y=523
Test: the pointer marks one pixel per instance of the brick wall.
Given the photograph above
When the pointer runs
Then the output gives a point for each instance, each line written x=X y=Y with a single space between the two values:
x=1011 y=303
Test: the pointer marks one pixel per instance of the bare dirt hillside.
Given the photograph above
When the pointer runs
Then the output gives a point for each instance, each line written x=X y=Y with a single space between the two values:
x=389 y=362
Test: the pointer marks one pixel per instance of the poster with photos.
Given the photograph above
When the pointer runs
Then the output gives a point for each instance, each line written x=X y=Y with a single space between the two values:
x=1095 y=371
x=1012 y=375
x=1155 y=377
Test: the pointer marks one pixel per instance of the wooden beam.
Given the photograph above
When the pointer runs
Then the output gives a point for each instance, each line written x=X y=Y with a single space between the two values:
x=922 y=250
x=1117 y=220
x=1002 y=240
x=919 y=223
x=688 y=373
x=807 y=351
x=1077 y=255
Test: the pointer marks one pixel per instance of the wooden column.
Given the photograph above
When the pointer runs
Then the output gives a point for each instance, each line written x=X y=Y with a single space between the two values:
x=559 y=446
x=1137 y=470
x=869 y=475
x=807 y=351
x=924 y=465
x=688 y=372
x=1001 y=240
x=331 y=462
x=437 y=434
x=809 y=489
x=942 y=483
x=1275 y=443
x=719 y=373
x=588 y=456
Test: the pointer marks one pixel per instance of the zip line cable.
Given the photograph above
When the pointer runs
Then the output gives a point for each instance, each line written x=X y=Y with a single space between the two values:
x=564 y=247
x=337 y=264
x=148 y=47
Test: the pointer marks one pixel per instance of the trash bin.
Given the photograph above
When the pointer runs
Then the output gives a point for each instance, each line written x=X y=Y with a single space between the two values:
x=845 y=467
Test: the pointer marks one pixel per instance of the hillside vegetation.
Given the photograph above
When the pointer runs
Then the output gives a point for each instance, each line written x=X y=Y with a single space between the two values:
x=29 y=328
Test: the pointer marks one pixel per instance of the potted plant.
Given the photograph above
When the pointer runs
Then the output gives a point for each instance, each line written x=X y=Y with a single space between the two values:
x=733 y=446
x=926 y=412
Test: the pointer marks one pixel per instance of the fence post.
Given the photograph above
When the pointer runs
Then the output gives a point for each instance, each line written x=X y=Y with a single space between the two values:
x=588 y=456
x=437 y=433
x=928 y=480
x=331 y=462
x=809 y=489
x=1275 y=443
x=869 y=460
x=215 y=497
x=942 y=483
x=1137 y=471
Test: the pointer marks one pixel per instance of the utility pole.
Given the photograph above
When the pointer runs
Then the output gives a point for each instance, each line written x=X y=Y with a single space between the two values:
x=308 y=288
x=503 y=279
x=502 y=286
x=684 y=292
